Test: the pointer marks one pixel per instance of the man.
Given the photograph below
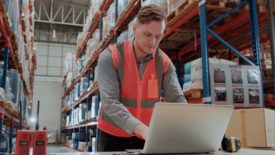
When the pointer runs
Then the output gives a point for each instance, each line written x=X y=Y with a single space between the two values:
x=131 y=76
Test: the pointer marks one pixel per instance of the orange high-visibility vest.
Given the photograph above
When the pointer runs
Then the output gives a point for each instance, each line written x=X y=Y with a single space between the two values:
x=137 y=95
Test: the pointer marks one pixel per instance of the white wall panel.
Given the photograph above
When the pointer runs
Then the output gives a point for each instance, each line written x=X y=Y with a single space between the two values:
x=52 y=56
x=42 y=60
x=53 y=71
x=41 y=70
x=55 y=61
x=55 y=50
x=42 y=49
x=49 y=94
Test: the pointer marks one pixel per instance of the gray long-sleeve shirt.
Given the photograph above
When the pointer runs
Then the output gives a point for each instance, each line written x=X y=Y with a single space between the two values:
x=107 y=78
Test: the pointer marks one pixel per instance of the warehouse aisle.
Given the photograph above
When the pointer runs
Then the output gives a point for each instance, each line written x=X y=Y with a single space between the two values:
x=59 y=149
x=51 y=149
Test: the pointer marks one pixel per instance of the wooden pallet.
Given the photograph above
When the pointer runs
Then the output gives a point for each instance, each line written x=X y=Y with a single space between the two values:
x=180 y=37
x=193 y=94
x=180 y=11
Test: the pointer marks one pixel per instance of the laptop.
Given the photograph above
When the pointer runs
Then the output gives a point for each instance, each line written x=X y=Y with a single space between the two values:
x=186 y=128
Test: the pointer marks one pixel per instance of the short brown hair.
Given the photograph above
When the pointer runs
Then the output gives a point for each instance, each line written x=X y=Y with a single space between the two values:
x=150 y=13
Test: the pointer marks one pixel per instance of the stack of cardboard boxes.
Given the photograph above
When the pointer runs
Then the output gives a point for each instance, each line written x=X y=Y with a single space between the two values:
x=254 y=127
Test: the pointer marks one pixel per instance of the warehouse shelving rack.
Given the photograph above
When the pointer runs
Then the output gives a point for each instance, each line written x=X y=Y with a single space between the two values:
x=84 y=97
x=106 y=42
x=9 y=118
x=187 y=52
x=205 y=28
x=122 y=20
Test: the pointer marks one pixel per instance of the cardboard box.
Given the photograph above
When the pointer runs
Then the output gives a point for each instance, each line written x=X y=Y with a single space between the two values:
x=82 y=146
x=69 y=143
x=254 y=127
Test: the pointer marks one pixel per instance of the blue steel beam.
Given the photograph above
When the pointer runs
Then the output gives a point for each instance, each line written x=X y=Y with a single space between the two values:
x=6 y=58
x=230 y=47
x=272 y=37
x=116 y=16
x=10 y=138
x=87 y=138
x=1 y=124
x=227 y=13
x=79 y=131
x=204 y=53
x=255 y=40
x=97 y=139
x=89 y=99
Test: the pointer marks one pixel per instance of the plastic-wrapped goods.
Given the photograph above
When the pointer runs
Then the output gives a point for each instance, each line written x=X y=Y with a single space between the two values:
x=69 y=78
x=94 y=144
x=93 y=107
x=76 y=92
x=109 y=20
x=51 y=136
x=196 y=67
x=81 y=62
x=197 y=84
x=187 y=77
x=14 y=80
x=9 y=94
x=2 y=95
x=80 y=39
x=187 y=86
x=68 y=120
x=70 y=99
x=121 y=5
x=187 y=68
x=84 y=83
x=12 y=9
x=193 y=72
x=68 y=61
x=90 y=48
x=84 y=109
x=80 y=113
x=8 y=91
x=96 y=5
x=162 y=3
x=96 y=37
x=173 y=4
x=88 y=22
x=75 y=71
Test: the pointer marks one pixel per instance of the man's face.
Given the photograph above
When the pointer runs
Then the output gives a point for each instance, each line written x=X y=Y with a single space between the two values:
x=148 y=35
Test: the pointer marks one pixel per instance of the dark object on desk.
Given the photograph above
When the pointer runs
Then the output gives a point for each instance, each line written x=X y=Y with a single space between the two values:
x=231 y=144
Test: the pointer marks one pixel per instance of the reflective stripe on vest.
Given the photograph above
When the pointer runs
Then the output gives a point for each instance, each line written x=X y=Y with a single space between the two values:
x=137 y=95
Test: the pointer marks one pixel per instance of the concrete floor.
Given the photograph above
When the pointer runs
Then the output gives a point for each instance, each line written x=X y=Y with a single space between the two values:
x=52 y=149
x=59 y=149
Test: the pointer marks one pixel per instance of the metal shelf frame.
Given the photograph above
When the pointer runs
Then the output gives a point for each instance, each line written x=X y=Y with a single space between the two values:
x=87 y=69
x=80 y=100
x=105 y=44
x=272 y=39
x=205 y=29
x=9 y=51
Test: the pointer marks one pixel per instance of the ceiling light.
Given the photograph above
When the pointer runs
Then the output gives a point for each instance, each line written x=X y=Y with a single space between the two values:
x=54 y=33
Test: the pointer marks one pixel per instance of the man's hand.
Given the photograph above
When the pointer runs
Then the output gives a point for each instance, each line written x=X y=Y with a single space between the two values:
x=141 y=130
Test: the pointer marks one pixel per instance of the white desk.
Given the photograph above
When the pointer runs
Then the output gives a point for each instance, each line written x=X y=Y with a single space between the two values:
x=241 y=152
